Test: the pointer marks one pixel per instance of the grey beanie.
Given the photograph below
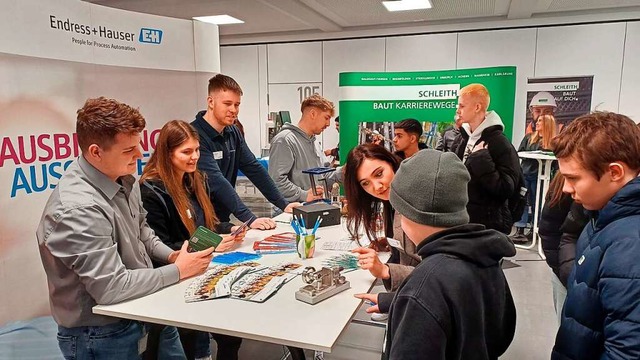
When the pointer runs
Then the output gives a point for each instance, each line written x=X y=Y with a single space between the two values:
x=430 y=188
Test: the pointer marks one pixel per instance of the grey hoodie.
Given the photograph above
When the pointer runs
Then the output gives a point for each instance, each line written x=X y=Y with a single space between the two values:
x=292 y=151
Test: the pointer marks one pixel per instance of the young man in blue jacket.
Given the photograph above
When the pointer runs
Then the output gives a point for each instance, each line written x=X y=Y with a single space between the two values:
x=223 y=152
x=599 y=156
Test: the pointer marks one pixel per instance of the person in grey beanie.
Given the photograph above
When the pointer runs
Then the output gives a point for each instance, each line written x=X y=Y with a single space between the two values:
x=456 y=304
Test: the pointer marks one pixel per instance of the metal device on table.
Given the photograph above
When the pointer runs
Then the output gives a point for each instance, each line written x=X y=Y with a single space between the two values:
x=323 y=284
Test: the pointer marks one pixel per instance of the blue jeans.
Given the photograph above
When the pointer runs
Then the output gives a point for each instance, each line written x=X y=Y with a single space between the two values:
x=530 y=182
x=114 y=341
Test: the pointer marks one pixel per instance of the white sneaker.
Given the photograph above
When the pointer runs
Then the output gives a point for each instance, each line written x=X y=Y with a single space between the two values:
x=379 y=317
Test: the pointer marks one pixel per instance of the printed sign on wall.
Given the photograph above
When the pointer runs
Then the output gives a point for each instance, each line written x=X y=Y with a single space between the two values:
x=372 y=102
x=564 y=97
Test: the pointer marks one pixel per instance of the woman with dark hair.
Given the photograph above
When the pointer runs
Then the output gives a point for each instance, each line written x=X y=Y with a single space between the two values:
x=561 y=222
x=367 y=178
x=176 y=197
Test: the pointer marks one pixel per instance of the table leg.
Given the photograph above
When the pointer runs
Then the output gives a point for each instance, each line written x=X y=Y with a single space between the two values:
x=543 y=181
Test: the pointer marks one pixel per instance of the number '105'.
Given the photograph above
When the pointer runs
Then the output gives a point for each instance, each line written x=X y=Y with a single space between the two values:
x=306 y=91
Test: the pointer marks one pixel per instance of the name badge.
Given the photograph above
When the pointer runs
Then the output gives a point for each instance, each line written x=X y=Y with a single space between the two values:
x=217 y=155
x=581 y=260
x=395 y=243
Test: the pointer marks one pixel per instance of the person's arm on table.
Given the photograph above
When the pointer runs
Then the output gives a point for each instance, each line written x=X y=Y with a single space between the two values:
x=83 y=241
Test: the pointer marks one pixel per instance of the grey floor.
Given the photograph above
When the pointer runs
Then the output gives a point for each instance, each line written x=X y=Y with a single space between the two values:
x=530 y=284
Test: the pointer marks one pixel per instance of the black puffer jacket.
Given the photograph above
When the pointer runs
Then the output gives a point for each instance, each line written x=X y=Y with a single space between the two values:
x=576 y=221
x=559 y=229
x=495 y=172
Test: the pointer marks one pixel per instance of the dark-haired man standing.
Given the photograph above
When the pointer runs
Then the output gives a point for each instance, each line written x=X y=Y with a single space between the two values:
x=406 y=139
x=223 y=152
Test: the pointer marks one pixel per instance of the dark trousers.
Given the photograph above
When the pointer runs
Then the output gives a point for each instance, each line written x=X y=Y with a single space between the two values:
x=228 y=346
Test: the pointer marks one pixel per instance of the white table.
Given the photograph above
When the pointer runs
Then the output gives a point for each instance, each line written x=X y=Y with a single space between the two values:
x=281 y=319
x=544 y=178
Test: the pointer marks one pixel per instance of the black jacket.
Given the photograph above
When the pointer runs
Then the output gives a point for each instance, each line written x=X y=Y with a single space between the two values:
x=456 y=304
x=495 y=173
x=559 y=229
x=221 y=156
x=163 y=217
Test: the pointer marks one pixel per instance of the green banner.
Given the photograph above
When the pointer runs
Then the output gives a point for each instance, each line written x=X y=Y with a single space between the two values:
x=371 y=102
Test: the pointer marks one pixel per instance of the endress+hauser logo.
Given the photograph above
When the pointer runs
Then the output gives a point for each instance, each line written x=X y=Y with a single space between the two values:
x=151 y=36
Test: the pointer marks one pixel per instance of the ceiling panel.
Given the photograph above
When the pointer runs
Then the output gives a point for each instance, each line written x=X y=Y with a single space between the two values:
x=565 y=5
x=273 y=17
x=372 y=12
x=258 y=17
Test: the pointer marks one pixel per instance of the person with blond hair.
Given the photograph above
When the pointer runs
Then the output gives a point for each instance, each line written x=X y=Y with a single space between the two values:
x=490 y=158
x=540 y=139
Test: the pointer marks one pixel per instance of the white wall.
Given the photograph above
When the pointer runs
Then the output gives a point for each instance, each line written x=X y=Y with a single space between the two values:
x=247 y=64
x=502 y=47
x=630 y=86
x=607 y=51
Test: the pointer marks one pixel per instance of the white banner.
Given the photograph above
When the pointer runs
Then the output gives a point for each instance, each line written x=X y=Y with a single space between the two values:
x=409 y=92
x=78 y=31
x=554 y=86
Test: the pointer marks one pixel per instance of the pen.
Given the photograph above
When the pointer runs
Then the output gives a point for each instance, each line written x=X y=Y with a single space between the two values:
x=317 y=224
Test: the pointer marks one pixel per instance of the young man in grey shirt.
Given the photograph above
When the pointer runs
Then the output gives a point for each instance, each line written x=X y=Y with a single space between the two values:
x=295 y=149
x=96 y=246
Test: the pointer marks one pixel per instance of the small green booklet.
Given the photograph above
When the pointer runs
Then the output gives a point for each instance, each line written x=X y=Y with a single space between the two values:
x=204 y=238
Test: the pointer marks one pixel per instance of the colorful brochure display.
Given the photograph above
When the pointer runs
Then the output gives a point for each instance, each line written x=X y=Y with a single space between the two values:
x=247 y=281
x=216 y=282
x=276 y=244
x=259 y=285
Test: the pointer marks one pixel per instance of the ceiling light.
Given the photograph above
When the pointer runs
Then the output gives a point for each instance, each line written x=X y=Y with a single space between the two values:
x=219 y=19
x=404 y=5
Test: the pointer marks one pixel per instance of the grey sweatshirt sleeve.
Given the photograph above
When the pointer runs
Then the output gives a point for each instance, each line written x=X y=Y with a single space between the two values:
x=397 y=274
x=84 y=243
x=280 y=164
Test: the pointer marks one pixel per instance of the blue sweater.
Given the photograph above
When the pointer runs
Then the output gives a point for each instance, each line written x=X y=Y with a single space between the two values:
x=601 y=315
x=221 y=155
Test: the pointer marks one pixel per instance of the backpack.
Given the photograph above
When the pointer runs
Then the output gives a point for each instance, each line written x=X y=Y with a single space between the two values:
x=518 y=201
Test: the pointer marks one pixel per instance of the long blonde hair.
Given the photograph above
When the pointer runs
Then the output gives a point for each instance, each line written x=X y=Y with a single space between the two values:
x=173 y=134
x=549 y=129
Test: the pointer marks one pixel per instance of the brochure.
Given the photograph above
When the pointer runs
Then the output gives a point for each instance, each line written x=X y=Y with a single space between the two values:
x=262 y=283
x=204 y=238
x=216 y=282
